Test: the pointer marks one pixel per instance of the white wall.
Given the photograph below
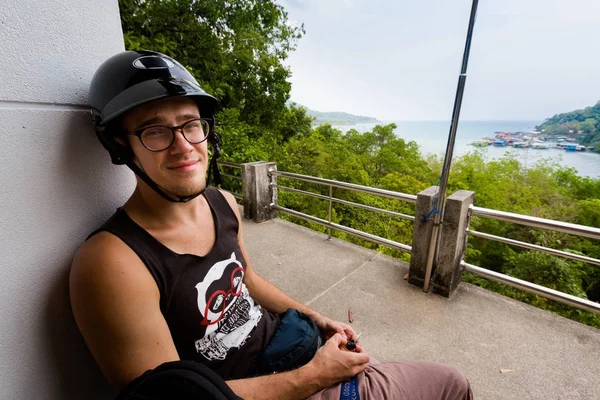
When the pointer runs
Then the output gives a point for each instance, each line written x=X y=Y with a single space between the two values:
x=56 y=185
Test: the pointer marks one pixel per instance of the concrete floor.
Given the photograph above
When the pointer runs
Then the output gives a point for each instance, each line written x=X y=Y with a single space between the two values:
x=480 y=332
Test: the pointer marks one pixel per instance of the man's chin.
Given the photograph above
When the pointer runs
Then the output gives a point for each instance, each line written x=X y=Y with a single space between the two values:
x=189 y=191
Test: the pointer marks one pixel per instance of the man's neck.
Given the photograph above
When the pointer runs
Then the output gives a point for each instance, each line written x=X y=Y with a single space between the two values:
x=153 y=211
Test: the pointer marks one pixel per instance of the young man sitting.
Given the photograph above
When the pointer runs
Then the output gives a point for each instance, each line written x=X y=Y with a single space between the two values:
x=167 y=277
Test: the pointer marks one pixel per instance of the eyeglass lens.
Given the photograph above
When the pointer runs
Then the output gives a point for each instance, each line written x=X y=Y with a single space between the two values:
x=158 y=138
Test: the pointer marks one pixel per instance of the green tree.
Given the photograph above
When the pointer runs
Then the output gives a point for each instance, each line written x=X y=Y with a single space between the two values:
x=585 y=120
x=236 y=50
x=589 y=125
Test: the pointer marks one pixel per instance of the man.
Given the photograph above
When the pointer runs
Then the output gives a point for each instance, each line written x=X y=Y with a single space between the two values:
x=167 y=278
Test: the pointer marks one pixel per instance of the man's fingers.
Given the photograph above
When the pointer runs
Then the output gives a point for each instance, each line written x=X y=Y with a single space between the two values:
x=342 y=332
x=348 y=330
x=364 y=357
x=337 y=339
x=350 y=334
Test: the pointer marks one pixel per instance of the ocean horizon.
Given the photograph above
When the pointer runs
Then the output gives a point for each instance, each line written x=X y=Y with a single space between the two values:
x=432 y=138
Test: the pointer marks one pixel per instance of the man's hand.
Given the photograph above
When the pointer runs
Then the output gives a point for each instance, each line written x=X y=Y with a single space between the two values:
x=332 y=364
x=330 y=327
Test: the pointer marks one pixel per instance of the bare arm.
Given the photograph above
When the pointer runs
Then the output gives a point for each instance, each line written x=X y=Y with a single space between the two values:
x=268 y=295
x=115 y=302
x=273 y=299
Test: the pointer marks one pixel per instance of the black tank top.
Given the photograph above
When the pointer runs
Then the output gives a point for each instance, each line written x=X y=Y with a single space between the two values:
x=212 y=318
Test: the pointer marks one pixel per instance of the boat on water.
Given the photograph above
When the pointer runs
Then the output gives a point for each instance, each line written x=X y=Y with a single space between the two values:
x=540 y=146
x=481 y=143
x=499 y=143
x=521 y=145
x=574 y=147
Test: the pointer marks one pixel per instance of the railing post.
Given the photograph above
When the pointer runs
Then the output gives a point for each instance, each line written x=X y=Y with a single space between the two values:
x=257 y=191
x=247 y=188
x=453 y=242
x=421 y=236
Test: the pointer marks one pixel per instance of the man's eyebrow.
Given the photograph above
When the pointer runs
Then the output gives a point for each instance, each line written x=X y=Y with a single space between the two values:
x=151 y=121
x=160 y=120
x=187 y=117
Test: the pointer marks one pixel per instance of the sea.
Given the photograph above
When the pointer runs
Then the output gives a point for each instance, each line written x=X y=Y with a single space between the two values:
x=432 y=138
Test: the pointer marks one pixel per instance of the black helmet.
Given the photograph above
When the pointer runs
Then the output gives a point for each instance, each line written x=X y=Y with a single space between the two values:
x=132 y=78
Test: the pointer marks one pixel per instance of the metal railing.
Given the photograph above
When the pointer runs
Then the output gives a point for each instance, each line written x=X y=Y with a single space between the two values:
x=232 y=166
x=565 y=227
x=535 y=222
x=347 y=186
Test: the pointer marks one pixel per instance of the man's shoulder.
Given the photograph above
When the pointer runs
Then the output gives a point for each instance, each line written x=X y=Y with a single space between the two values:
x=105 y=266
x=102 y=242
x=102 y=253
x=228 y=196
x=230 y=200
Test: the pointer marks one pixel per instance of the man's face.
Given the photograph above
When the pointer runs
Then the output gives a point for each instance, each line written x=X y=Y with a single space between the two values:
x=180 y=169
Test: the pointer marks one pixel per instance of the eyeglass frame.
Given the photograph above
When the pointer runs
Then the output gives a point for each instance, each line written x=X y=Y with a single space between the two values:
x=139 y=132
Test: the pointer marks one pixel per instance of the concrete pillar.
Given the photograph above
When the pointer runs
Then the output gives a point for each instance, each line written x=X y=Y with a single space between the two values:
x=257 y=191
x=248 y=188
x=421 y=236
x=453 y=242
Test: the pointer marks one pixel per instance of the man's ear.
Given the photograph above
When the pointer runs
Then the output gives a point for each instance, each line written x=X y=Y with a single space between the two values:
x=121 y=140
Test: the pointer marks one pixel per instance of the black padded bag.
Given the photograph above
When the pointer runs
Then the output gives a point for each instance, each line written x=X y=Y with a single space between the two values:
x=294 y=344
x=178 y=380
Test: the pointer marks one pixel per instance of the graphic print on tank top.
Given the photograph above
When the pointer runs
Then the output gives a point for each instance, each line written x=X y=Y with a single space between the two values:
x=226 y=309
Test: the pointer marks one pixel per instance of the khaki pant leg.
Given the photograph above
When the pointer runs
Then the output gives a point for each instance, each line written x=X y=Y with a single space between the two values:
x=408 y=380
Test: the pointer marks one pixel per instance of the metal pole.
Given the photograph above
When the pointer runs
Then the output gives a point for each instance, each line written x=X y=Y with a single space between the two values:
x=330 y=204
x=435 y=233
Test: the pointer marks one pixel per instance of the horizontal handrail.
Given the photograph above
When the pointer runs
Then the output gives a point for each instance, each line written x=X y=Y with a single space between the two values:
x=354 y=232
x=237 y=196
x=346 y=202
x=231 y=176
x=344 y=185
x=533 y=288
x=230 y=164
x=534 y=247
x=565 y=227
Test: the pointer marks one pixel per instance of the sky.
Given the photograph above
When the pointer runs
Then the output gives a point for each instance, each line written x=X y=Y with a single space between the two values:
x=401 y=59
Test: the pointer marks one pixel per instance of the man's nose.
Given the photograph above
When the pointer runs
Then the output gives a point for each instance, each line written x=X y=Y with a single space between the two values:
x=180 y=143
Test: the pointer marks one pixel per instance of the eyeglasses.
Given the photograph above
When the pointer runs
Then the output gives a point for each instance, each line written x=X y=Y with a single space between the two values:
x=161 y=137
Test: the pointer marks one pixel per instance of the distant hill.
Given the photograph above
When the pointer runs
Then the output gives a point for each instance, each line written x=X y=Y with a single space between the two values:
x=584 y=125
x=337 y=117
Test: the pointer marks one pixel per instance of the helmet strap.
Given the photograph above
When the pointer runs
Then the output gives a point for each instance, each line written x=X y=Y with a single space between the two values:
x=215 y=140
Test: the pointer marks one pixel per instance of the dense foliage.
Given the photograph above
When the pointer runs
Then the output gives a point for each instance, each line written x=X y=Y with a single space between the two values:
x=380 y=159
x=581 y=124
x=236 y=50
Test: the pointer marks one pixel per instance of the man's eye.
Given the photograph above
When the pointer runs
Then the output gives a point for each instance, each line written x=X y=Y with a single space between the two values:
x=193 y=125
x=154 y=132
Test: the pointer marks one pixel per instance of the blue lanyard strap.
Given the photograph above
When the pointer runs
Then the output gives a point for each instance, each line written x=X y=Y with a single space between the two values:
x=349 y=390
